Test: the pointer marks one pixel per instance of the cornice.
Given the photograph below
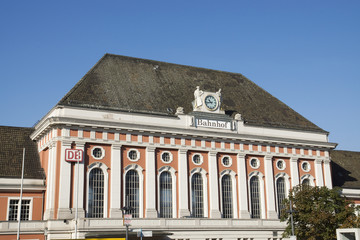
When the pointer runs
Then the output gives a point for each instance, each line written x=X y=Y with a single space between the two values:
x=174 y=131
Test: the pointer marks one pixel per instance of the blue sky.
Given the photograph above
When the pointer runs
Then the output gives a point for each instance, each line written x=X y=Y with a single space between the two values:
x=306 y=53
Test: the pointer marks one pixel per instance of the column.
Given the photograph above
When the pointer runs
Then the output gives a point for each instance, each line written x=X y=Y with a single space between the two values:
x=50 y=183
x=79 y=176
x=64 y=211
x=243 y=192
x=183 y=184
x=150 y=211
x=294 y=170
x=270 y=193
x=214 y=186
x=319 y=173
x=115 y=188
x=327 y=173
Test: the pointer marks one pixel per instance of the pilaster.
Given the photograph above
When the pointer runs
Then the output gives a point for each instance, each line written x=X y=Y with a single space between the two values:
x=214 y=186
x=50 y=184
x=150 y=211
x=115 y=188
x=79 y=188
x=243 y=196
x=270 y=193
x=327 y=173
x=294 y=170
x=64 y=211
x=183 y=184
x=319 y=173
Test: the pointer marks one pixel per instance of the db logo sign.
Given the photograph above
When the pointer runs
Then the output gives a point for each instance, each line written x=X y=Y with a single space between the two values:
x=73 y=155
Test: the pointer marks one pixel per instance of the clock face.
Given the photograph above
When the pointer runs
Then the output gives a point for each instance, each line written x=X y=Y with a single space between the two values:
x=211 y=102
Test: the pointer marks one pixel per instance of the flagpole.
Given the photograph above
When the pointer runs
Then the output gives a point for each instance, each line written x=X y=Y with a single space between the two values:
x=77 y=199
x=21 y=193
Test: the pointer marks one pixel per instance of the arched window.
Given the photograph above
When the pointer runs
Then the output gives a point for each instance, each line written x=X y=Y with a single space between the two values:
x=166 y=202
x=132 y=192
x=306 y=182
x=255 y=197
x=281 y=194
x=227 y=195
x=197 y=196
x=96 y=194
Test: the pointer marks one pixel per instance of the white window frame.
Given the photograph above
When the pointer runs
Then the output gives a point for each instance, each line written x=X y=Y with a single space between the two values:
x=137 y=155
x=258 y=163
x=280 y=160
x=139 y=170
x=170 y=155
x=310 y=177
x=308 y=165
x=201 y=159
x=173 y=179
x=287 y=187
x=203 y=174
x=19 y=212
x=104 y=168
x=262 y=192
x=102 y=152
x=234 y=191
x=230 y=161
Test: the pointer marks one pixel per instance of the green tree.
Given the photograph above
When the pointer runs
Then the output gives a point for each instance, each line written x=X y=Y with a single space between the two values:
x=319 y=211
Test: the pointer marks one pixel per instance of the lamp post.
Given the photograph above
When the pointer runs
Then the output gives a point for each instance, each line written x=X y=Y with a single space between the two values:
x=126 y=209
x=291 y=211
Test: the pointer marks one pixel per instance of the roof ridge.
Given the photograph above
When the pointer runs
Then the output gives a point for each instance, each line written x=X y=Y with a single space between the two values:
x=175 y=64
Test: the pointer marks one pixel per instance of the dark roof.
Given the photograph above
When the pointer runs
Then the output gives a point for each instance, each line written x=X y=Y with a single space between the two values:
x=345 y=168
x=139 y=85
x=12 y=142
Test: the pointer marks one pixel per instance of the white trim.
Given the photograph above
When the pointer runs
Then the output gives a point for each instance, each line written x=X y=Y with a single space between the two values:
x=170 y=156
x=262 y=192
x=29 y=184
x=139 y=170
x=302 y=166
x=104 y=168
x=201 y=159
x=284 y=164
x=173 y=184
x=137 y=154
x=257 y=163
x=203 y=174
x=18 y=210
x=102 y=152
x=234 y=191
x=308 y=176
x=230 y=161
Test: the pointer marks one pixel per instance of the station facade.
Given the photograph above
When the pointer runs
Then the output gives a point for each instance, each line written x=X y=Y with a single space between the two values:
x=194 y=153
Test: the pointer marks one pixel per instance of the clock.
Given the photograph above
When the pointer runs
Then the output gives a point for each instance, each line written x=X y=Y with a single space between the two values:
x=211 y=102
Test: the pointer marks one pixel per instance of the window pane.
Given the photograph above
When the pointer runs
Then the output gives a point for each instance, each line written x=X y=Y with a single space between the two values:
x=132 y=192
x=13 y=209
x=197 y=196
x=96 y=193
x=280 y=185
x=255 y=197
x=25 y=210
x=227 y=202
x=165 y=195
x=306 y=182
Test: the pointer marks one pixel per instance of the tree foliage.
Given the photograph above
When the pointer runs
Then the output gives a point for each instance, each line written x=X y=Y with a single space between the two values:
x=319 y=211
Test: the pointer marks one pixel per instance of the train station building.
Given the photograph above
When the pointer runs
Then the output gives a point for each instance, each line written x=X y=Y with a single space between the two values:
x=194 y=153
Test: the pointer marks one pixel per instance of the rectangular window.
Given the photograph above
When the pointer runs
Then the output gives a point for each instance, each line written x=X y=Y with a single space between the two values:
x=14 y=208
